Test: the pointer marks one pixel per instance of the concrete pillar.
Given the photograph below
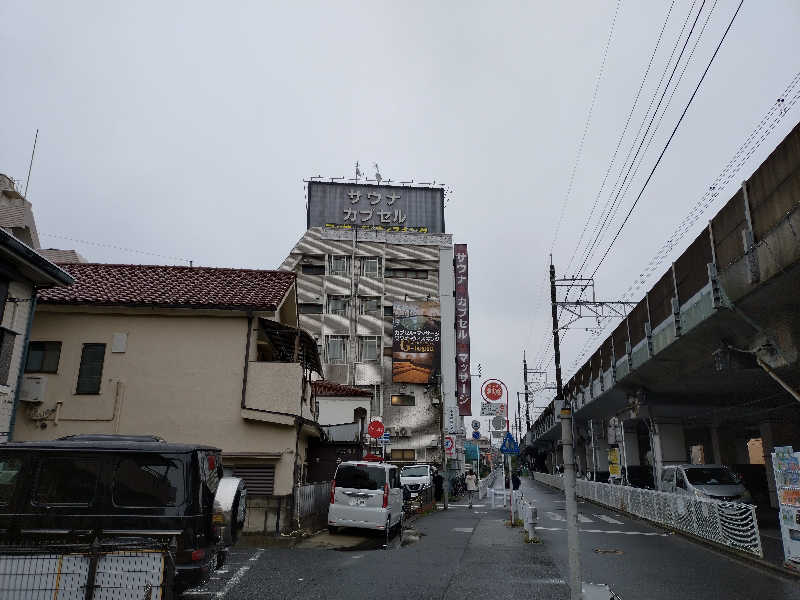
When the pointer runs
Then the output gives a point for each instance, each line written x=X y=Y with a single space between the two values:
x=669 y=445
x=768 y=443
x=715 y=446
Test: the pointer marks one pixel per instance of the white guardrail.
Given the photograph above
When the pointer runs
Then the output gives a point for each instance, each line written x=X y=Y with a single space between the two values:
x=486 y=483
x=726 y=523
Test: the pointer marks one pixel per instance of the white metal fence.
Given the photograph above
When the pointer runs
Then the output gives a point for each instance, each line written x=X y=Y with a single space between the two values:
x=311 y=500
x=486 y=483
x=726 y=523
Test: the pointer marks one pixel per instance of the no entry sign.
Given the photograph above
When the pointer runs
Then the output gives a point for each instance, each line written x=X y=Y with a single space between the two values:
x=375 y=429
x=492 y=390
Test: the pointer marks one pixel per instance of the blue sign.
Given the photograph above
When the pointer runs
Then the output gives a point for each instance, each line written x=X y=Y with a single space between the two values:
x=509 y=445
x=470 y=451
x=476 y=435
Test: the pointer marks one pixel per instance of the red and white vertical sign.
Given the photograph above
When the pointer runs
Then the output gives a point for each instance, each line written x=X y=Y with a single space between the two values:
x=463 y=379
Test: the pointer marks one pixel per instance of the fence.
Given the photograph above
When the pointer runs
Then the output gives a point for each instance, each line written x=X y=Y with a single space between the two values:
x=311 y=503
x=424 y=501
x=131 y=570
x=486 y=483
x=728 y=524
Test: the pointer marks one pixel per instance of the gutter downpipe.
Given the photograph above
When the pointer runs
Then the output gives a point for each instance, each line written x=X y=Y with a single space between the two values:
x=247 y=357
x=23 y=362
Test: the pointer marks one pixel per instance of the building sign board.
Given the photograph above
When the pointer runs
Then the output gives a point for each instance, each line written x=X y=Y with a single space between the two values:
x=463 y=379
x=470 y=451
x=493 y=409
x=342 y=205
x=452 y=422
x=614 y=468
x=416 y=341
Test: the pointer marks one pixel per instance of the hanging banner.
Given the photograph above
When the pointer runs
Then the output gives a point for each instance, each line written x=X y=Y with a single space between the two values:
x=416 y=341
x=463 y=379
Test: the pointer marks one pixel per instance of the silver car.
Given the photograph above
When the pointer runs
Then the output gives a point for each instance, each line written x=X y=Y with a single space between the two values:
x=367 y=495
x=710 y=482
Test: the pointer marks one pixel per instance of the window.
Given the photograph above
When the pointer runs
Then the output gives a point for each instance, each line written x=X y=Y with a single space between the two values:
x=369 y=348
x=66 y=480
x=9 y=474
x=337 y=349
x=370 y=305
x=360 y=477
x=90 y=372
x=402 y=455
x=339 y=265
x=338 y=305
x=310 y=308
x=668 y=475
x=403 y=400
x=407 y=273
x=679 y=480
x=7 y=340
x=148 y=480
x=371 y=266
x=43 y=357
x=388 y=310
x=394 y=478
x=312 y=269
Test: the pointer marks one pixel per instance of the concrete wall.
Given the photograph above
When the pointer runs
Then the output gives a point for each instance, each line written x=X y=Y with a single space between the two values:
x=335 y=410
x=15 y=318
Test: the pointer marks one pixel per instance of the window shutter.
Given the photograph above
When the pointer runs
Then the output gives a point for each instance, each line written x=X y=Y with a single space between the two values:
x=260 y=479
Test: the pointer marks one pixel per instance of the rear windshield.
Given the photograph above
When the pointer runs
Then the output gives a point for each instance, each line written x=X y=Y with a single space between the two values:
x=716 y=476
x=414 y=472
x=362 y=477
x=9 y=475
x=66 y=480
x=145 y=480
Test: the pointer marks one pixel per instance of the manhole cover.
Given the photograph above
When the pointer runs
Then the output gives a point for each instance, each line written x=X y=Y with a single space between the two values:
x=607 y=551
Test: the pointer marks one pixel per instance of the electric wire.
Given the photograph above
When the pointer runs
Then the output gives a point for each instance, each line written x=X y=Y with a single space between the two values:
x=115 y=247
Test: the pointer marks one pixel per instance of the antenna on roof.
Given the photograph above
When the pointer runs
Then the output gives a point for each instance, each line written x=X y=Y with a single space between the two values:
x=30 y=166
x=358 y=172
x=377 y=173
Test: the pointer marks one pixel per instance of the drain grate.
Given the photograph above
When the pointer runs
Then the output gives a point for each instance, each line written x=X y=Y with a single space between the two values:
x=607 y=551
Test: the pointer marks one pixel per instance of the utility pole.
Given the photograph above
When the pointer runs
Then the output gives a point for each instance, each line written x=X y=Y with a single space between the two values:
x=573 y=551
x=445 y=482
x=527 y=404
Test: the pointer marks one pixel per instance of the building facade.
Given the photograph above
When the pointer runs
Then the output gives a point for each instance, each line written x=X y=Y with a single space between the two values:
x=348 y=283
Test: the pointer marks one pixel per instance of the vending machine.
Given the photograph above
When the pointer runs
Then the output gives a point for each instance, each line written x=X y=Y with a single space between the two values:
x=786 y=464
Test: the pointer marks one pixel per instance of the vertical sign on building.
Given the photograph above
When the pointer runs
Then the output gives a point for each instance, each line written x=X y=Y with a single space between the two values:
x=463 y=380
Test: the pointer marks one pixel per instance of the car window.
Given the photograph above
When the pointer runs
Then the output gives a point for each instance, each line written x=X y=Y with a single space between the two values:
x=9 y=475
x=394 y=478
x=711 y=476
x=66 y=480
x=668 y=475
x=679 y=480
x=418 y=471
x=363 y=477
x=148 y=480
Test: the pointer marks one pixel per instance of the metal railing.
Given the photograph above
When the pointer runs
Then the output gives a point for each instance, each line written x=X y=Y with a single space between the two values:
x=311 y=500
x=728 y=524
x=132 y=569
x=486 y=483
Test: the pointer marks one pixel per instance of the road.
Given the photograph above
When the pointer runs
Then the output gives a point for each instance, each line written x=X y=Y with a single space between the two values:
x=642 y=562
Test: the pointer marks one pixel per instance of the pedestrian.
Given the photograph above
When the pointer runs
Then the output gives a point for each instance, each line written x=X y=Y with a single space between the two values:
x=472 y=485
x=438 y=486
x=515 y=481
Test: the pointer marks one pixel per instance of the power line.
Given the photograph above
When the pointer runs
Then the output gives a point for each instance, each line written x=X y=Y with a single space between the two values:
x=672 y=135
x=115 y=247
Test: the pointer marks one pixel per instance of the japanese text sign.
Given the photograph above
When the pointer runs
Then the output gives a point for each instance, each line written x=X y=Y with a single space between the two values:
x=368 y=206
x=463 y=379
x=416 y=341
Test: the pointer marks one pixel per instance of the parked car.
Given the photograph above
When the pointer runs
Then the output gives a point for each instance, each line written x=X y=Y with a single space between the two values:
x=715 y=482
x=110 y=486
x=416 y=478
x=366 y=495
x=636 y=476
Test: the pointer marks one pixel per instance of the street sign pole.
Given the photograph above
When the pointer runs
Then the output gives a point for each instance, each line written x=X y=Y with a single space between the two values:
x=573 y=552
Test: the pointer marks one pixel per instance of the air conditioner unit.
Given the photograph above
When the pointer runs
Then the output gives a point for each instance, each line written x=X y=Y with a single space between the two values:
x=33 y=389
x=403 y=432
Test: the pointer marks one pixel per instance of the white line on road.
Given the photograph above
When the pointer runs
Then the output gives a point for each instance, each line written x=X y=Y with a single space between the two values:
x=464 y=529
x=462 y=505
x=233 y=581
x=646 y=533
x=554 y=516
x=608 y=519
x=584 y=519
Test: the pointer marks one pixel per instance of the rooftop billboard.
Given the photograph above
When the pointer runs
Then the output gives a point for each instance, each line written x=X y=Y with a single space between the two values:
x=369 y=206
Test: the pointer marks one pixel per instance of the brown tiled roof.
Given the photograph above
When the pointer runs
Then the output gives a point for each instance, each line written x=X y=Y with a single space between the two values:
x=324 y=387
x=171 y=286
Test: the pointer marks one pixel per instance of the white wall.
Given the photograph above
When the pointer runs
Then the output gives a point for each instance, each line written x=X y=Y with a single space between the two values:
x=336 y=410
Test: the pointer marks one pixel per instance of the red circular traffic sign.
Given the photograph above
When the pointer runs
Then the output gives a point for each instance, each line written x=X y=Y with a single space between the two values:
x=375 y=429
x=492 y=390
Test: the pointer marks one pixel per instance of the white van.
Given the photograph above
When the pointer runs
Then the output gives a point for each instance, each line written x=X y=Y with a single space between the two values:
x=367 y=495
x=416 y=478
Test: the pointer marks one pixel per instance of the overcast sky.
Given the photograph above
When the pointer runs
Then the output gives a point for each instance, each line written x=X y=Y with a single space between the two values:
x=186 y=129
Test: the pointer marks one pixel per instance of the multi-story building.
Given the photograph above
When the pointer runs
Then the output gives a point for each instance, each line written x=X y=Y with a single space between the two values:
x=367 y=249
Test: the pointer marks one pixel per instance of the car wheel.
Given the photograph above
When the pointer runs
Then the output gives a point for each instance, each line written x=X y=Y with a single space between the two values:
x=333 y=530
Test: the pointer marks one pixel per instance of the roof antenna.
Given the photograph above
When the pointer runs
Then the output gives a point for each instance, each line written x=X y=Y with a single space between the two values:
x=358 y=172
x=30 y=166
x=377 y=173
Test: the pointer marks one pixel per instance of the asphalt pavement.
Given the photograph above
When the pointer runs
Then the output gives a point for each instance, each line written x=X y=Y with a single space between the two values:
x=642 y=562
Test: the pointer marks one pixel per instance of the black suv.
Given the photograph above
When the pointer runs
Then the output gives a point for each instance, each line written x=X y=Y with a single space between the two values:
x=89 y=486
